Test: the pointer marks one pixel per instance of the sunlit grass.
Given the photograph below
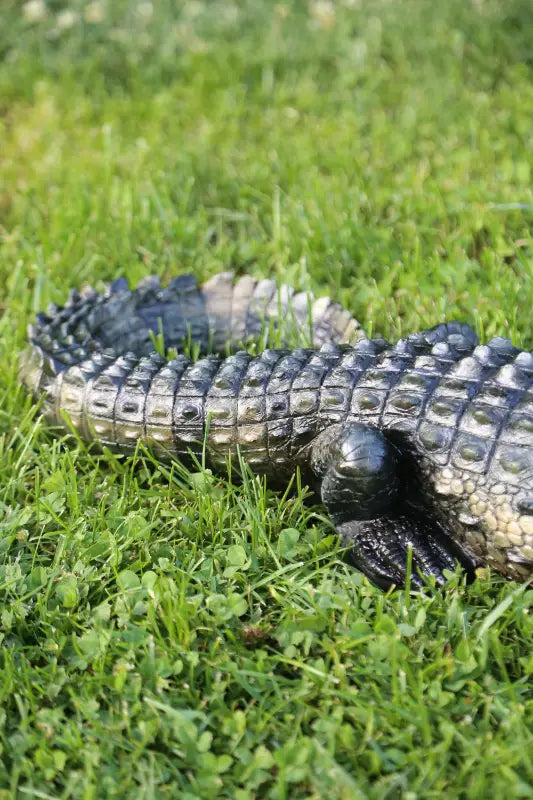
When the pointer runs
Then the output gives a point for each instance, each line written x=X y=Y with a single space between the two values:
x=170 y=634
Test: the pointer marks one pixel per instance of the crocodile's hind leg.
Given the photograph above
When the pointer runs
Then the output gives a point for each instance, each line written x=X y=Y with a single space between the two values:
x=362 y=491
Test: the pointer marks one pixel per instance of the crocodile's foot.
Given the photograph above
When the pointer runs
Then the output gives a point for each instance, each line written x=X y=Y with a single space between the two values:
x=359 y=471
x=380 y=549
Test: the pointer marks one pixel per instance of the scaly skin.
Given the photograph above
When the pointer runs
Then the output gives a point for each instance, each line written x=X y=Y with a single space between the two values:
x=427 y=443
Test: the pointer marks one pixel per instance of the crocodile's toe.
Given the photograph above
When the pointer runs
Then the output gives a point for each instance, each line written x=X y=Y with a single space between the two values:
x=380 y=549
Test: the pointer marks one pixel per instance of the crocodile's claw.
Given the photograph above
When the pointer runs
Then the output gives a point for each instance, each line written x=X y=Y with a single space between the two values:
x=380 y=549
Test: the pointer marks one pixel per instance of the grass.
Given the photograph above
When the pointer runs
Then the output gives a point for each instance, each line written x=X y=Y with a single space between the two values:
x=175 y=635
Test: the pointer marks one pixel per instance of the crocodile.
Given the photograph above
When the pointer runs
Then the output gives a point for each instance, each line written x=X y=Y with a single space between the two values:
x=421 y=451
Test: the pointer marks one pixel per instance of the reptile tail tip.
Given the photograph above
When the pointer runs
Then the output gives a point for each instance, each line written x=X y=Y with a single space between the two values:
x=223 y=314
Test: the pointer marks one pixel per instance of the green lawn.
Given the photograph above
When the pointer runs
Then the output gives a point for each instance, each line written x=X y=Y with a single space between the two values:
x=173 y=635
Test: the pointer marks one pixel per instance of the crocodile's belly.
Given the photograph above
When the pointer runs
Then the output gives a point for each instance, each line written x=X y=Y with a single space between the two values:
x=482 y=486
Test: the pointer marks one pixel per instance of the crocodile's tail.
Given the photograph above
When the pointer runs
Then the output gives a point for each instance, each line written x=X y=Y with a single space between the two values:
x=222 y=315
